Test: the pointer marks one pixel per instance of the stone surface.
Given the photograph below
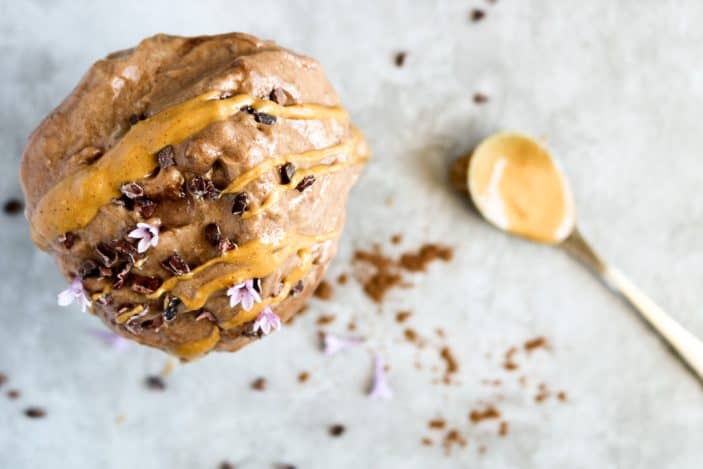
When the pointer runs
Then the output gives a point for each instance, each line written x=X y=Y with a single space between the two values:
x=615 y=89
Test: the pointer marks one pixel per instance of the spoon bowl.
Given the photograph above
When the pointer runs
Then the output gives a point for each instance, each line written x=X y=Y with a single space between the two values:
x=517 y=186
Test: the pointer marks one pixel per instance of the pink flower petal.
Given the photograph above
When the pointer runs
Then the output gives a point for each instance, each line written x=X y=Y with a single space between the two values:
x=380 y=389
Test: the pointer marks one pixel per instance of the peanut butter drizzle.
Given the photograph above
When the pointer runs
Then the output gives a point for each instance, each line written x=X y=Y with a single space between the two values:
x=291 y=279
x=518 y=187
x=122 y=318
x=255 y=259
x=76 y=200
x=196 y=348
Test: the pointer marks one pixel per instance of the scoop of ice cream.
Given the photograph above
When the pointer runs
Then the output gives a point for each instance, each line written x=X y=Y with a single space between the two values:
x=193 y=189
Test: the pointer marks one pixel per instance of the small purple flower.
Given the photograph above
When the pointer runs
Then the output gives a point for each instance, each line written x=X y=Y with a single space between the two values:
x=244 y=293
x=75 y=292
x=267 y=321
x=379 y=386
x=332 y=344
x=147 y=234
x=110 y=338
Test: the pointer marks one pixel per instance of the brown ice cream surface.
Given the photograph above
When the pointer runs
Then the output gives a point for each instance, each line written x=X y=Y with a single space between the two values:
x=224 y=114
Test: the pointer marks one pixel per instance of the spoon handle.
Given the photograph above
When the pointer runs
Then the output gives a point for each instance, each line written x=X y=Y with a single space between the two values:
x=688 y=347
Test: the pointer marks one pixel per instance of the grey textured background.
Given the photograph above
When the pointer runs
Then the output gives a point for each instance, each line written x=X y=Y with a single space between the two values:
x=615 y=87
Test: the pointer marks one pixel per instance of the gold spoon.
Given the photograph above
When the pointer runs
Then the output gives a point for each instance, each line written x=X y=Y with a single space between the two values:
x=517 y=186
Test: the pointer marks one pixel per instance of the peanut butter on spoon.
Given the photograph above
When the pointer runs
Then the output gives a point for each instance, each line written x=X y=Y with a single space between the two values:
x=517 y=186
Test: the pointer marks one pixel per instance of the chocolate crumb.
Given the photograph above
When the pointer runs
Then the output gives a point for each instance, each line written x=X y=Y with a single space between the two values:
x=284 y=466
x=278 y=96
x=35 y=412
x=480 y=98
x=399 y=58
x=176 y=265
x=145 y=285
x=303 y=376
x=397 y=238
x=226 y=245
x=166 y=157
x=297 y=288
x=259 y=384
x=13 y=394
x=426 y=442
x=503 y=429
x=13 y=206
x=122 y=276
x=132 y=190
x=88 y=269
x=227 y=465
x=241 y=202
x=437 y=424
x=410 y=335
x=336 y=430
x=155 y=383
x=402 y=316
x=535 y=343
x=145 y=207
x=3 y=379
x=287 y=171
x=490 y=412
x=134 y=118
x=171 y=308
x=108 y=256
x=324 y=290
x=477 y=15
x=342 y=279
x=561 y=395
x=263 y=118
x=452 y=366
x=68 y=239
x=304 y=183
x=452 y=438
x=213 y=234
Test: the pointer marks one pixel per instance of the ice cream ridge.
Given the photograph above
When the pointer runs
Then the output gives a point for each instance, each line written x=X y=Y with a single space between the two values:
x=193 y=190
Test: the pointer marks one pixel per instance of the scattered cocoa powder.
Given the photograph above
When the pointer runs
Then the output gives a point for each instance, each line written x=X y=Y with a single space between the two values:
x=542 y=393
x=437 y=424
x=385 y=276
x=325 y=319
x=491 y=382
x=535 y=343
x=503 y=428
x=453 y=438
x=426 y=442
x=561 y=395
x=509 y=364
x=342 y=279
x=324 y=290
x=452 y=366
x=410 y=335
x=351 y=327
x=418 y=261
x=402 y=316
x=13 y=394
x=482 y=449
x=259 y=384
x=397 y=238
x=490 y=412
x=387 y=272
x=303 y=376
